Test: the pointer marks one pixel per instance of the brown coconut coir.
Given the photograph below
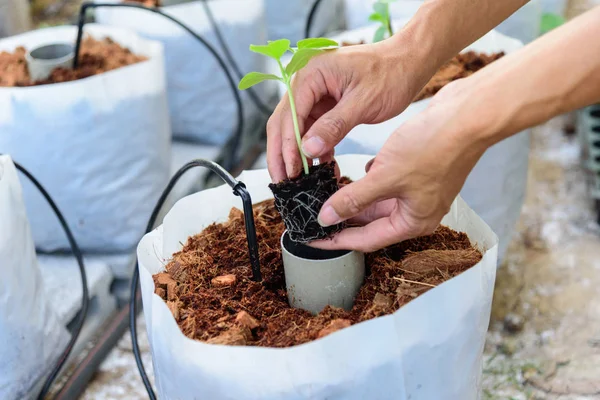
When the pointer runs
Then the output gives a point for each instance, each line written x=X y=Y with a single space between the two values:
x=96 y=57
x=208 y=287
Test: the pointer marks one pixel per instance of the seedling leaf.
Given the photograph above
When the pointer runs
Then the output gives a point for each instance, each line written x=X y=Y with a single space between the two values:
x=275 y=49
x=252 y=78
x=377 y=18
x=300 y=59
x=550 y=21
x=379 y=34
x=317 y=43
x=382 y=9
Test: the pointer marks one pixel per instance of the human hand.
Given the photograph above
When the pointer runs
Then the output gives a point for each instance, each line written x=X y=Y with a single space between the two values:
x=337 y=91
x=412 y=182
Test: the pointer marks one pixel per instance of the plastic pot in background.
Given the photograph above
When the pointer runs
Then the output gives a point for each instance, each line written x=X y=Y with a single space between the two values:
x=15 y=17
x=441 y=329
x=101 y=145
x=32 y=337
x=200 y=99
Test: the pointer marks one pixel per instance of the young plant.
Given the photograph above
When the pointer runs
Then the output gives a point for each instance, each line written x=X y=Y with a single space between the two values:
x=307 y=49
x=381 y=14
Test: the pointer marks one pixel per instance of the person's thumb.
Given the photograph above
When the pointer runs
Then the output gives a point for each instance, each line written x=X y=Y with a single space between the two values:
x=351 y=200
x=329 y=130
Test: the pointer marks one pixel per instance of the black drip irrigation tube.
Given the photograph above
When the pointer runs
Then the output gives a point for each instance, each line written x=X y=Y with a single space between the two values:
x=239 y=189
x=85 y=301
x=311 y=18
x=228 y=161
x=255 y=98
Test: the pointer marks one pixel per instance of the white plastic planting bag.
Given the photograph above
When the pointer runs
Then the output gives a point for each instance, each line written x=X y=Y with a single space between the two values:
x=14 y=17
x=201 y=101
x=496 y=187
x=100 y=145
x=429 y=349
x=31 y=338
x=287 y=19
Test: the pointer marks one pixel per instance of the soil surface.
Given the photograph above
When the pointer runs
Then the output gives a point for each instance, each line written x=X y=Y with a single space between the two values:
x=299 y=201
x=461 y=66
x=208 y=287
x=97 y=56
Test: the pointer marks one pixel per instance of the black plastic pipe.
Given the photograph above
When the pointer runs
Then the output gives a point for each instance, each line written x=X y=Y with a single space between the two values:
x=229 y=162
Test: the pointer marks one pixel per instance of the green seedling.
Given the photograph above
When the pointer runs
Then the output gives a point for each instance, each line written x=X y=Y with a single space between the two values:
x=306 y=50
x=550 y=21
x=381 y=14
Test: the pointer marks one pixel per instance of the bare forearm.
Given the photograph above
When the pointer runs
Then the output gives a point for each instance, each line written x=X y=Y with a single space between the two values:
x=555 y=74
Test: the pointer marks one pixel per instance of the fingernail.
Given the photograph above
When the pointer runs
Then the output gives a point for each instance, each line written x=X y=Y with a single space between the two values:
x=328 y=217
x=313 y=147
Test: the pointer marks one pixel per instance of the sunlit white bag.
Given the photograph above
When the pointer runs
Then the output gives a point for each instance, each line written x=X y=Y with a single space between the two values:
x=287 y=19
x=101 y=145
x=429 y=349
x=496 y=187
x=201 y=101
x=14 y=17
x=31 y=338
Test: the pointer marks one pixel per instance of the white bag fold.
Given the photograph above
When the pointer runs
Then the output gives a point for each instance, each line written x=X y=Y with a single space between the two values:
x=429 y=349
x=31 y=338
x=100 y=145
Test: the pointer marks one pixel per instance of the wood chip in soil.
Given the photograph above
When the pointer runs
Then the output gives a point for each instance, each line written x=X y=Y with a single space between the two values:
x=216 y=301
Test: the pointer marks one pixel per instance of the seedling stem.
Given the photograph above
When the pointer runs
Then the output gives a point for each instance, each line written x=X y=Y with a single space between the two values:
x=307 y=49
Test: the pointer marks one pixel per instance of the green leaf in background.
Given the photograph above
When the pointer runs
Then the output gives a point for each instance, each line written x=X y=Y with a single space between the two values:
x=275 y=49
x=377 y=18
x=379 y=34
x=300 y=59
x=252 y=78
x=550 y=21
x=383 y=9
x=317 y=43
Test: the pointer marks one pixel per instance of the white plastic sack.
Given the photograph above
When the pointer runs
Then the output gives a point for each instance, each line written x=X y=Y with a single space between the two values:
x=31 y=339
x=100 y=145
x=496 y=187
x=201 y=101
x=429 y=349
x=14 y=17
x=287 y=18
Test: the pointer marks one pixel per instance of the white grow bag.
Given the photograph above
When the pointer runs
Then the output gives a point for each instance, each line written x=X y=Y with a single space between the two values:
x=496 y=187
x=14 y=17
x=429 y=349
x=31 y=338
x=100 y=145
x=201 y=101
x=524 y=24
x=287 y=18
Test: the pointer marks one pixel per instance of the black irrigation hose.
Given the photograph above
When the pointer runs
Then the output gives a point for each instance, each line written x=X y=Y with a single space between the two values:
x=239 y=189
x=311 y=18
x=85 y=301
x=229 y=161
x=257 y=101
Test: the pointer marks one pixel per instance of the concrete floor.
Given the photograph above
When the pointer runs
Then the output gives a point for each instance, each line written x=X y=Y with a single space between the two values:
x=546 y=294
